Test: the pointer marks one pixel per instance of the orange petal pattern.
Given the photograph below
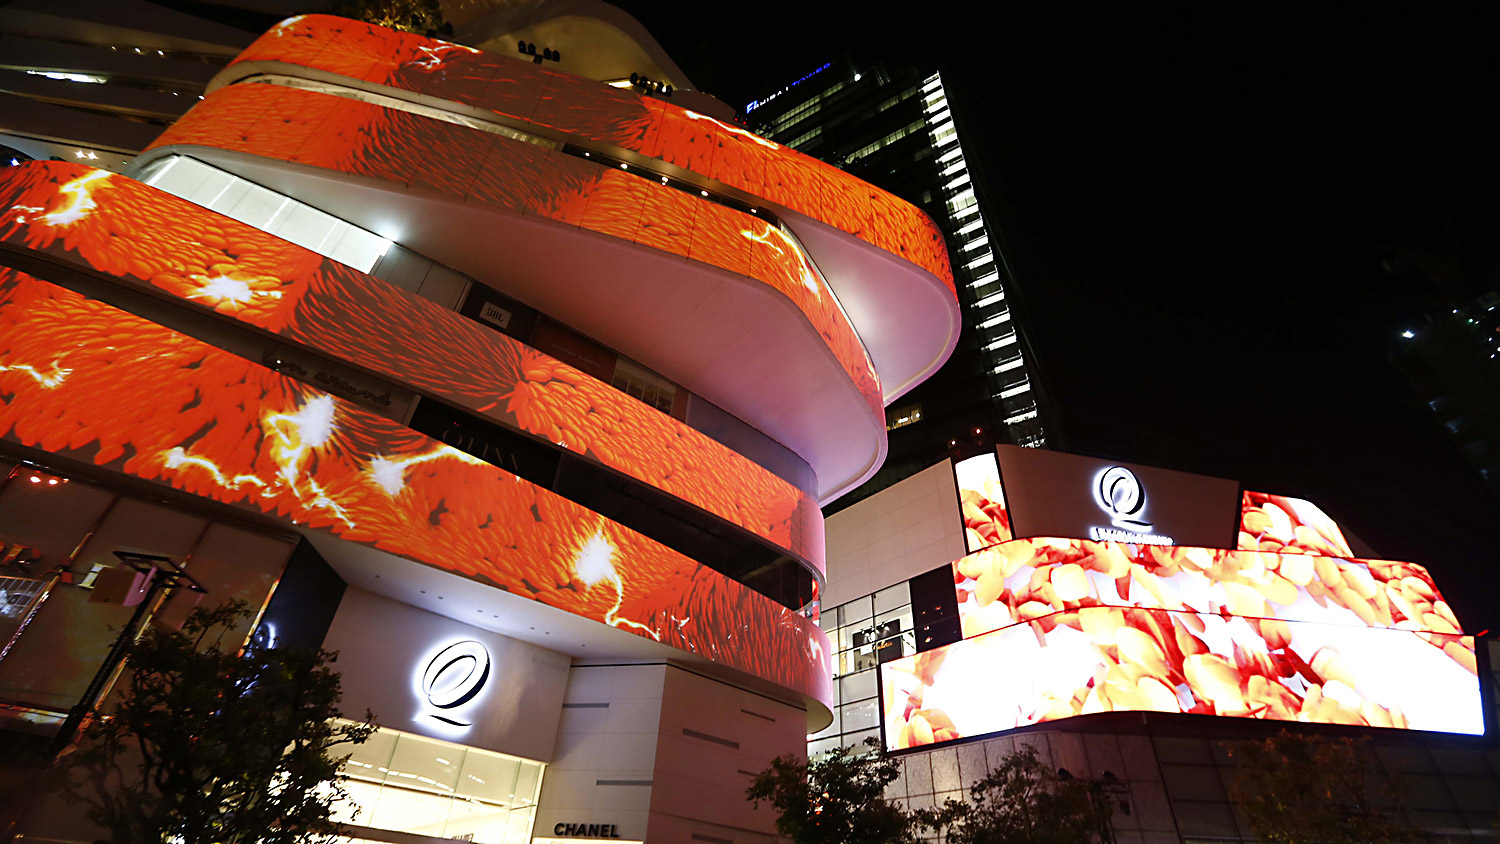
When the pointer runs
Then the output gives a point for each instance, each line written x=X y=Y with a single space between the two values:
x=86 y=381
x=145 y=237
x=362 y=139
x=579 y=108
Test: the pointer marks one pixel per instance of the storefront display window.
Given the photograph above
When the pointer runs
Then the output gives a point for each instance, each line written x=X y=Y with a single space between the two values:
x=399 y=782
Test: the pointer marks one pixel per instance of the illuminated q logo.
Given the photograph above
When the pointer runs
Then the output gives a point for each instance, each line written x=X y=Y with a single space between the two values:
x=1120 y=494
x=453 y=677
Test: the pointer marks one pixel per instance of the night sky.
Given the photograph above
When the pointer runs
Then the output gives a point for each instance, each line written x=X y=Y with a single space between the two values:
x=1196 y=208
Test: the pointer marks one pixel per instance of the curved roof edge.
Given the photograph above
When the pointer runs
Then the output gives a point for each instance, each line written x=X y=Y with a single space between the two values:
x=501 y=19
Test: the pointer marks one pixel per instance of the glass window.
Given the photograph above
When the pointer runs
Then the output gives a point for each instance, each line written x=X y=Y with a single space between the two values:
x=529 y=783
x=425 y=764
x=406 y=783
x=489 y=777
x=821 y=746
x=410 y=811
x=860 y=716
x=266 y=210
x=858 y=611
x=902 y=416
x=892 y=598
x=857 y=686
x=858 y=739
x=831 y=730
x=371 y=760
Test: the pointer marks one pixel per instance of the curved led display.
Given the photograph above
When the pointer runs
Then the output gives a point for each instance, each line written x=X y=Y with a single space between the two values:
x=136 y=234
x=581 y=108
x=1029 y=578
x=981 y=499
x=1288 y=526
x=1104 y=659
x=362 y=139
x=91 y=383
x=1055 y=628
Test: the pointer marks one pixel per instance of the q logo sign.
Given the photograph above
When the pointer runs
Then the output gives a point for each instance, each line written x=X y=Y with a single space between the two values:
x=1120 y=493
x=453 y=677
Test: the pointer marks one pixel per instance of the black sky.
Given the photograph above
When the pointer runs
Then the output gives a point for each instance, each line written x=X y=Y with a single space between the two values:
x=1196 y=205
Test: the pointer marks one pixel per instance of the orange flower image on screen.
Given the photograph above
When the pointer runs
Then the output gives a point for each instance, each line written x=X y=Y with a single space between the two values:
x=1288 y=526
x=81 y=379
x=363 y=139
x=146 y=237
x=522 y=94
x=1106 y=626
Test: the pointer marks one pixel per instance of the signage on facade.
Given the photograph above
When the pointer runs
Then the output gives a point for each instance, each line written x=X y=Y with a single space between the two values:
x=1119 y=494
x=586 y=830
x=1049 y=493
x=453 y=677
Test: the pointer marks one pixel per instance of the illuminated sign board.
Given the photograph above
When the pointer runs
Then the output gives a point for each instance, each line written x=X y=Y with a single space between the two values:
x=1049 y=493
x=1121 y=496
x=755 y=104
x=451 y=679
x=586 y=830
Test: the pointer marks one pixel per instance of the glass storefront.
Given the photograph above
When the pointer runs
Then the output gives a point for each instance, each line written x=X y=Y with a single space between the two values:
x=407 y=783
x=864 y=632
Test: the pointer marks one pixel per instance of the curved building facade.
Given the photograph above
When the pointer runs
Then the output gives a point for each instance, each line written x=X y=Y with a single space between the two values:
x=528 y=388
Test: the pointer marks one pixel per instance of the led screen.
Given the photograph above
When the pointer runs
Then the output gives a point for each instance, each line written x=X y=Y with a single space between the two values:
x=1054 y=494
x=362 y=139
x=1288 y=526
x=572 y=105
x=982 y=502
x=1105 y=659
x=1028 y=578
x=110 y=224
x=91 y=383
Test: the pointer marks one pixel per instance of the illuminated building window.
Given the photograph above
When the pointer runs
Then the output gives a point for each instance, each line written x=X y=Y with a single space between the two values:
x=267 y=210
x=803 y=138
x=903 y=416
x=1021 y=417
x=1016 y=390
x=990 y=300
x=648 y=387
x=421 y=786
x=886 y=141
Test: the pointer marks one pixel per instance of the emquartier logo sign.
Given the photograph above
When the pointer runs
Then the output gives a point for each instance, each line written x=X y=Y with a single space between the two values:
x=452 y=678
x=1119 y=493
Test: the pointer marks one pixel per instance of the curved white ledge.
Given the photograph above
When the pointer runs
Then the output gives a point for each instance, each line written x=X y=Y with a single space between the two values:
x=735 y=341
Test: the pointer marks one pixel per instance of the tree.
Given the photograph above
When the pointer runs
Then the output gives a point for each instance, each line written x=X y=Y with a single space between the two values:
x=209 y=743
x=424 y=17
x=1022 y=801
x=1297 y=788
x=838 y=799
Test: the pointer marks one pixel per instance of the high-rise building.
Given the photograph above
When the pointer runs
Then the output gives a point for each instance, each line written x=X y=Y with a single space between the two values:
x=519 y=389
x=894 y=126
